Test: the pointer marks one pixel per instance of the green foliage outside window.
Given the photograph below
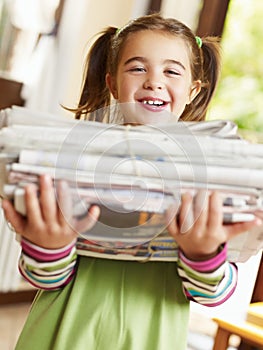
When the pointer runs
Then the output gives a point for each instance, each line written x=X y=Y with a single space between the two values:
x=239 y=95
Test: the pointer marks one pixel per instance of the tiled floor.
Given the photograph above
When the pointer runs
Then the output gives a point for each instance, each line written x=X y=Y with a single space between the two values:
x=12 y=318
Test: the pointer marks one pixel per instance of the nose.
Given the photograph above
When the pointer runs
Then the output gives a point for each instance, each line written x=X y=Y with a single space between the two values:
x=153 y=83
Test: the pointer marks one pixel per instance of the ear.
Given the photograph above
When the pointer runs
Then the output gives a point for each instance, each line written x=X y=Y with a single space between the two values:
x=195 y=89
x=111 y=83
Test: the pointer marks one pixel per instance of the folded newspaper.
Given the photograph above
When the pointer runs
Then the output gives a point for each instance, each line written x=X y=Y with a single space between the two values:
x=134 y=173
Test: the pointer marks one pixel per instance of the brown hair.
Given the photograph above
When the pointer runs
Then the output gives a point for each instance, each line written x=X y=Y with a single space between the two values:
x=106 y=51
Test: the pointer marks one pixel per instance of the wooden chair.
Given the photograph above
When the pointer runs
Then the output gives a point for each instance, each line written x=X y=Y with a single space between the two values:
x=250 y=331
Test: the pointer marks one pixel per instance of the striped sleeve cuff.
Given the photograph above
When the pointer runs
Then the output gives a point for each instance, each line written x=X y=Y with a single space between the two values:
x=43 y=254
x=206 y=265
x=47 y=268
x=209 y=282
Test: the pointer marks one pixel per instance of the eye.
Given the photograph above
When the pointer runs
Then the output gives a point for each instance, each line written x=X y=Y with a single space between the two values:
x=137 y=69
x=172 y=72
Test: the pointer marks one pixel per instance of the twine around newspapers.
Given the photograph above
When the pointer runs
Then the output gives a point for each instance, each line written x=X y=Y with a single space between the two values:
x=137 y=171
x=152 y=244
x=132 y=155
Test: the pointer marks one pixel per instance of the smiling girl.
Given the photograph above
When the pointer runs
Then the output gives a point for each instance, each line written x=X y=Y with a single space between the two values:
x=155 y=76
x=159 y=66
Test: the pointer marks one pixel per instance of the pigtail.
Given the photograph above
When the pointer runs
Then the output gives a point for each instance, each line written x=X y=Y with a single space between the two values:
x=209 y=75
x=95 y=93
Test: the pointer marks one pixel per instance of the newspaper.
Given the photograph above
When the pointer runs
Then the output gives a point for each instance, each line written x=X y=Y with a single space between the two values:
x=134 y=174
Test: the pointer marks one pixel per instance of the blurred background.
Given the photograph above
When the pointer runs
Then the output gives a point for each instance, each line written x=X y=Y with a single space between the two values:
x=240 y=92
x=43 y=44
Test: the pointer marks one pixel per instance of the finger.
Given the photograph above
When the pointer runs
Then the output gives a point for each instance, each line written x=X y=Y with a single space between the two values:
x=171 y=216
x=259 y=214
x=215 y=217
x=13 y=217
x=65 y=203
x=48 y=200
x=89 y=221
x=186 y=216
x=33 y=209
x=233 y=230
x=201 y=204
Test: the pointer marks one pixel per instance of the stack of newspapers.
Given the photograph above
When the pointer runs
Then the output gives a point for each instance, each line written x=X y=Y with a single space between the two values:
x=133 y=173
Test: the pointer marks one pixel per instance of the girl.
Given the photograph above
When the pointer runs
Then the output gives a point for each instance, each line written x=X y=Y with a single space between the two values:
x=158 y=65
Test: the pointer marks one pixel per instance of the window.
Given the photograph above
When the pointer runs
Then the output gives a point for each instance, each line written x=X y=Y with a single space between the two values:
x=240 y=92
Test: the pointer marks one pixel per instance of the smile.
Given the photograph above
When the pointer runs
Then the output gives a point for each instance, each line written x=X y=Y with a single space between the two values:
x=153 y=102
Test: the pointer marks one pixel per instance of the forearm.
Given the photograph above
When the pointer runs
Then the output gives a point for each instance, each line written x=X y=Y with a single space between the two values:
x=209 y=282
x=47 y=269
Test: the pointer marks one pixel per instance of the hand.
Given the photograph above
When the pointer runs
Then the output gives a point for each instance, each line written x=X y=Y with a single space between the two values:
x=199 y=228
x=48 y=224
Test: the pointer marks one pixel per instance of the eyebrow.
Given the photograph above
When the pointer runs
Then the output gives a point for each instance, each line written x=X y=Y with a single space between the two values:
x=143 y=60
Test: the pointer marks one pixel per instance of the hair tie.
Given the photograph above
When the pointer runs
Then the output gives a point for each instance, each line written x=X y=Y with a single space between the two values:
x=117 y=31
x=199 y=41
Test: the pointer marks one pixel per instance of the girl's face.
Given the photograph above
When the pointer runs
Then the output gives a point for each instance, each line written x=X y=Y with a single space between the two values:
x=154 y=75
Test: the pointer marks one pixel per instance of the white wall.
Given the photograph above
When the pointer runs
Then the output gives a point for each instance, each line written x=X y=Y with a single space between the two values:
x=81 y=20
x=186 y=11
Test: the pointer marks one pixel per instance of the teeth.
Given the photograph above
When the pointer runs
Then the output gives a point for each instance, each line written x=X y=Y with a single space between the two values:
x=151 y=102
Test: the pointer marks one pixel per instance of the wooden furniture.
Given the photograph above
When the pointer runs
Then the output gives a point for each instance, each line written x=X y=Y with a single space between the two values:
x=10 y=93
x=19 y=296
x=250 y=331
x=212 y=17
x=257 y=296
